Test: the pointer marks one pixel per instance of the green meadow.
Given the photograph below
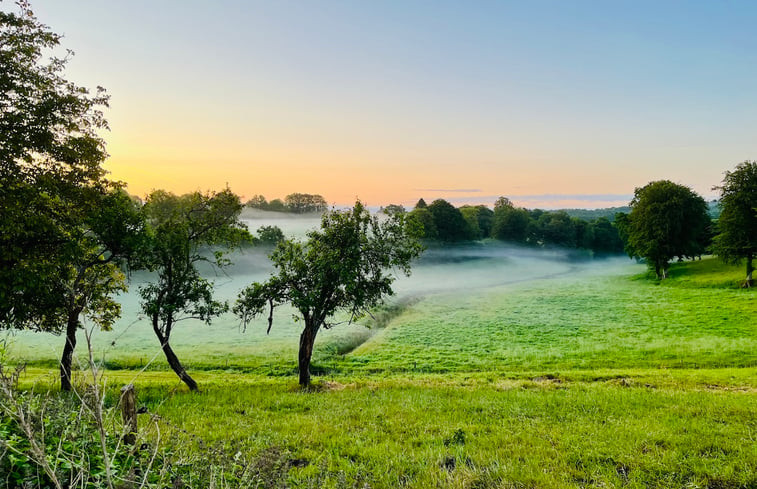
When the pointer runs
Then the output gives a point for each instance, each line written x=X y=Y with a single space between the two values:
x=581 y=374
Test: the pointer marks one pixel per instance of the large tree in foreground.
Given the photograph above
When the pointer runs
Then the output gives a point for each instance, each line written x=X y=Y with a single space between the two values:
x=50 y=158
x=737 y=224
x=667 y=220
x=183 y=232
x=343 y=266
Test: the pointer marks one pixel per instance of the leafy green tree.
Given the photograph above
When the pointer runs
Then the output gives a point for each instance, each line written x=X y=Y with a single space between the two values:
x=470 y=214
x=270 y=235
x=421 y=218
x=449 y=222
x=304 y=203
x=64 y=229
x=421 y=204
x=667 y=220
x=556 y=228
x=108 y=239
x=184 y=231
x=623 y=224
x=257 y=202
x=479 y=219
x=737 y=224
x=277 y=205
x=605 y=237
x=343 y=266
x=508 y=222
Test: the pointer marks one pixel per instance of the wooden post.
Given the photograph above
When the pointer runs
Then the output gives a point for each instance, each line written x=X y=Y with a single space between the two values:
x=129 y=413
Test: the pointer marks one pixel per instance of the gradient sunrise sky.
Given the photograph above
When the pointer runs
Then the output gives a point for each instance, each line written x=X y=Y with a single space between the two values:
x=552 y=103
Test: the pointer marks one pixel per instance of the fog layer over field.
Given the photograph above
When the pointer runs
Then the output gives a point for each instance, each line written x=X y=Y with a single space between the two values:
x=454 y=269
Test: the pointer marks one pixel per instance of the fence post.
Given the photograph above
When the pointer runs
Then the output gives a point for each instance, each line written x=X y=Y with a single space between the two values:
x=129 y=413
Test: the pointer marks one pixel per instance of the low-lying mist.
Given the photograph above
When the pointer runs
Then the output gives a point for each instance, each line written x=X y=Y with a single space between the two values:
x=452 y=269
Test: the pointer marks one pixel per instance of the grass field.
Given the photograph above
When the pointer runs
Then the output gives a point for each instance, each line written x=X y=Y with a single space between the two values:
x=588 y=375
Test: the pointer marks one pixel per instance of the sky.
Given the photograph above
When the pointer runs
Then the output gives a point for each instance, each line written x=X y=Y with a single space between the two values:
x=550 y=103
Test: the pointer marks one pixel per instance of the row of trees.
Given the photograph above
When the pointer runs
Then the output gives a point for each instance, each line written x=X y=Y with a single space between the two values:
x=441 y=221
x=669 y=220
x=296 y=203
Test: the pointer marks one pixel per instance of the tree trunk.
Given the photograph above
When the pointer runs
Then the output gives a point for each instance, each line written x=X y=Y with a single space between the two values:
x=72 y=324
x=749 y=270
x=173 y=360
x=175 y=364
x=307 y=339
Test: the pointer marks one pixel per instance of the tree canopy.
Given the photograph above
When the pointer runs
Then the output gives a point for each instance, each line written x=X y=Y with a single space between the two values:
x=667 y=220
x=50 y=158
x=343 y=266
x=737 y=223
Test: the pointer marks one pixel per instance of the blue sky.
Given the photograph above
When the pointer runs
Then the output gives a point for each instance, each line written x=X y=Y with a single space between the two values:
x=380 y=99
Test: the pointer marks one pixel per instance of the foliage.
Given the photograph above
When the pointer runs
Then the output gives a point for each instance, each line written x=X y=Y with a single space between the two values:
x=304 y=203
x=183 y=229
x=737 y=225
x=343 y=266
x=422 y=219
x=297 y=203
x=50 y=161
x=270 y=235
x=449 y=222
x=608 y=213
x=393 y=209
x=667 y=220
x=479 y=219
x=510 y=223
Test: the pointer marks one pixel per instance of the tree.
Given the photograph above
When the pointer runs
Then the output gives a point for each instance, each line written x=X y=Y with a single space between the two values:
x=470 y=214
x=343 y=266
x=667 y=220
x=556 y=228
x=277 y=205
x=303 y=203
x=184 y=230
x=421 y=204
x=393 y=209
x=110 y=235
x=449 y=221
x=422 y=219
x=508 y=222
x=49 y=153
x=64 y=227
x=270 y=235
x=605 y=237
x=479 y=219
x=737 y=224
x=257 y=202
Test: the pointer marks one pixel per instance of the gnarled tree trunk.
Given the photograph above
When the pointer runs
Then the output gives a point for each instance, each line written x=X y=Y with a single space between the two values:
x=72 y=324
x=172 y=359
x=307 y=340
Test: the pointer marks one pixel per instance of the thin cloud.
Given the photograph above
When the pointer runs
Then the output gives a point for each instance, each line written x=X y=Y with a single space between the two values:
x=457 y=190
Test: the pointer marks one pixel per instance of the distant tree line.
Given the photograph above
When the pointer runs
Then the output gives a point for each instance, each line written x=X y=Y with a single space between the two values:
x=443 y=222
x=295 y=203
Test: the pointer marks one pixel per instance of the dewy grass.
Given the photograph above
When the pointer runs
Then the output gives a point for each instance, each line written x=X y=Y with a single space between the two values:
x=599 y=379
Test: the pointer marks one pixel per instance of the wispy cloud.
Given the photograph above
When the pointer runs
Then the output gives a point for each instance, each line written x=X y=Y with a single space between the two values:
x=456 y=190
